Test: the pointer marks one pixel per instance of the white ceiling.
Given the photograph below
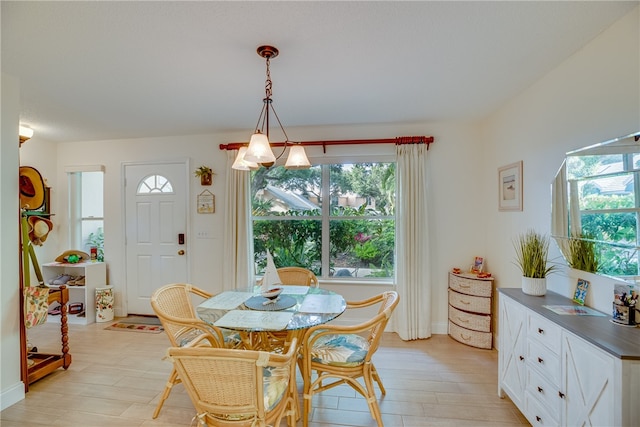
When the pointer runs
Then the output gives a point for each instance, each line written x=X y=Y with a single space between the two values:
x=110 y=70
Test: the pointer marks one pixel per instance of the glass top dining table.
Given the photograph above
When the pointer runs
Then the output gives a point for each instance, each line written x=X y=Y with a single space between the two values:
x=297 y=308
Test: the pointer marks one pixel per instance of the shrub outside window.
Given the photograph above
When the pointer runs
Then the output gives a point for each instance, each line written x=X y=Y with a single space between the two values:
x=337 y=220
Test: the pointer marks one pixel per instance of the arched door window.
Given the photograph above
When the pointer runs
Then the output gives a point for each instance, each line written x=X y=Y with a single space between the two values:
x=155 y=184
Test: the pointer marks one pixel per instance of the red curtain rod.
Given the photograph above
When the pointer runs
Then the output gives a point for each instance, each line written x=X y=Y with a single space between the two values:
x=398 y=141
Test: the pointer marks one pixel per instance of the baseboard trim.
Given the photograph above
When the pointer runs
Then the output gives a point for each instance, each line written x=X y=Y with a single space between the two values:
x=11 y=395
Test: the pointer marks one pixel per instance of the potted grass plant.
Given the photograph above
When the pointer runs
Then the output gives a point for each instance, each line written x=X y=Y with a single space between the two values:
x=532 y=251
x=583 y=254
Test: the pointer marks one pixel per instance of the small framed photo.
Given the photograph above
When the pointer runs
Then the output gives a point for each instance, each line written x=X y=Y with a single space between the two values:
x=206 y=202
x=478 y=265
x=510 y=187
x=581 y=291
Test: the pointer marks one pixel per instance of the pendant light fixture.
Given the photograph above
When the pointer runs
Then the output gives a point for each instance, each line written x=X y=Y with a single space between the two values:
x=259 y=151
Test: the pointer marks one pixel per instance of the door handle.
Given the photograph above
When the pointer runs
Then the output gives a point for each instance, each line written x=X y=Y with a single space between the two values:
x=181 y=252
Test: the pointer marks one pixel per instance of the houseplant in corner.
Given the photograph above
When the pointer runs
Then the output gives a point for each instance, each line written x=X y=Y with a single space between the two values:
x=532 y=250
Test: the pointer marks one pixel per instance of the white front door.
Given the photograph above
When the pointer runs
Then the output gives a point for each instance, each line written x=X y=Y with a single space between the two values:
x=156 y=218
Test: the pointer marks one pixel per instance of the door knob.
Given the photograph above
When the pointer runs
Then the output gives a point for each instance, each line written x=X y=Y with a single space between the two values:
x=181 y=252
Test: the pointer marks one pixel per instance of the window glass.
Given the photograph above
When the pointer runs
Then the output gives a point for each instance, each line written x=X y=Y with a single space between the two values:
x=86 y=211
x=155 y=184
x=609 y=209
x=349 y=233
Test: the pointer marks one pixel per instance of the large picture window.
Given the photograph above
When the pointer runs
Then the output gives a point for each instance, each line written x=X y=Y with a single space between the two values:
x=337 y=220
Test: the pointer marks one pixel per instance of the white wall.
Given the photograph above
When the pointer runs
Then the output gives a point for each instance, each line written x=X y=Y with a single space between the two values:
x=592 y=97
x=455 y=159
x=11 y=387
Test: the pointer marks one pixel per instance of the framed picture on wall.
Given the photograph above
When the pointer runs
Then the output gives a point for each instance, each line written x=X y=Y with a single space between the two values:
x=510 y=187
x=206 y=202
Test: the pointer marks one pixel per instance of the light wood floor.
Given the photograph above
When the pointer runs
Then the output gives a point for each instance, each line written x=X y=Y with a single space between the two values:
x=116 y=378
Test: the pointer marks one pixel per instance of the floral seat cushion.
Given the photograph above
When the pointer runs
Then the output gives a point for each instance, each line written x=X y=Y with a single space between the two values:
x=340 y=350
x=231 y=338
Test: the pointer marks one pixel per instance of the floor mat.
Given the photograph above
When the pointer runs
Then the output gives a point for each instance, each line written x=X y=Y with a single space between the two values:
x=137 y=324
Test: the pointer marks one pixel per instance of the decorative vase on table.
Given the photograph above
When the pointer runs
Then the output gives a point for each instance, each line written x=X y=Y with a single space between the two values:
x=534 y=286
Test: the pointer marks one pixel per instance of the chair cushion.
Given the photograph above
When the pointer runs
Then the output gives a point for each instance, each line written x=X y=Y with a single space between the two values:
x=340 y=350
x=274 y=384
x=231 y=338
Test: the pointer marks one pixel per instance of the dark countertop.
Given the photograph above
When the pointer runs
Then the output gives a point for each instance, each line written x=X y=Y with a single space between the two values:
x=620 y=341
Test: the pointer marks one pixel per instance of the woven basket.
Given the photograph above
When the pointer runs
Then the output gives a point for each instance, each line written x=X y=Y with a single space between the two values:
x=470 y=303
x=532 y=286
x=471 y=338
x=476 y=322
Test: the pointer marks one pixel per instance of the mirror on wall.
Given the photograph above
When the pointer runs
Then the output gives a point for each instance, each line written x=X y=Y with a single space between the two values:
x=596 y=198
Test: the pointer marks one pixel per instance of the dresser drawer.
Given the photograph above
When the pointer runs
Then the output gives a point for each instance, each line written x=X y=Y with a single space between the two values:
x=469 y=337
x=543 y=359
x=476 y=287
x=544 y=331
x=476 y=322
x=470 y=303
x=545 y=391
x=536 y=414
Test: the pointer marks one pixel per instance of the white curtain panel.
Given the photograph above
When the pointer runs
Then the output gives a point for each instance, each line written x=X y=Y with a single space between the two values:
x=238 y=254
x=559 y=214
x=413 y=314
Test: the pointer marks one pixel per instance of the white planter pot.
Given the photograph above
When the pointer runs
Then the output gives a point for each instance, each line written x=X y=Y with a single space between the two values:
x=536 y=287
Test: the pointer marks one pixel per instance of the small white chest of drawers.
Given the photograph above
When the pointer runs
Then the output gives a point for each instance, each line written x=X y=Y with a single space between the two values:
x=470 y=310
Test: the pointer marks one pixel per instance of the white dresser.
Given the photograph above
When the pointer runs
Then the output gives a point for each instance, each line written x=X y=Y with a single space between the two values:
x=470 y=310
x=565 y=369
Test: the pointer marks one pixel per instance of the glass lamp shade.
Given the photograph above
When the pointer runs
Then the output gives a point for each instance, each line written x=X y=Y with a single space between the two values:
x=241 y=163
x=297 y=158
x=259 y=150
x=25 y=132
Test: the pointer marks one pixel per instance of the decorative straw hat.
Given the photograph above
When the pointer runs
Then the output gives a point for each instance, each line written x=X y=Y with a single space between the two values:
x=39 y=229
x=66 y=256
x=31 y=188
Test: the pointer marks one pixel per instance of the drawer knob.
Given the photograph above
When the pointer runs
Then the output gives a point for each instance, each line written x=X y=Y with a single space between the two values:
x=521 y=357
x=540 y=360
x=540 y=390
x=462 y=320
x=540 y=331
x=465 y=338
x=561 y=394
x=538 y=419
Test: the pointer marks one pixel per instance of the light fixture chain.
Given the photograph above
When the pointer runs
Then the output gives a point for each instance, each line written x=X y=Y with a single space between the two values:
x=268 y=84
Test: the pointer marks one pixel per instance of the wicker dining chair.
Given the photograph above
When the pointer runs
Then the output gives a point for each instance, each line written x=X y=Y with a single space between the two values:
x=290 y=276
x=238 y=387
x=342 y=354
x=173 y=304
x=297 y=276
